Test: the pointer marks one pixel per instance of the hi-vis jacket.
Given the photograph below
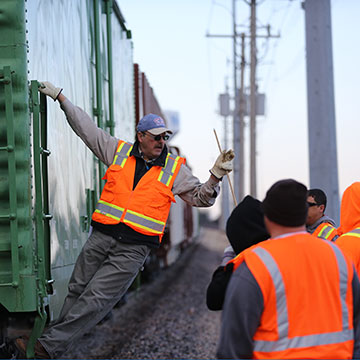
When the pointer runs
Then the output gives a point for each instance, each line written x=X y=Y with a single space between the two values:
x=299 y=298
x=307 y=293
x=145 y=208
x=349 y=230
x=326 y=231
x=104 y=146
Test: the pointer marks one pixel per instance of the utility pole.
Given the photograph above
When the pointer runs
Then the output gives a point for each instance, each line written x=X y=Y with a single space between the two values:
x=238 y=135
x=242 y=107
x=321 y=103
x=225 y=112
x=240 y=104
x=238 y=111
x=253 y=99
x=254 y=111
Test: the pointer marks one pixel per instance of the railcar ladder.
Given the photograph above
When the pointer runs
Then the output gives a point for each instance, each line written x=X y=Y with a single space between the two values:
x=6 y=80
x=42 y=216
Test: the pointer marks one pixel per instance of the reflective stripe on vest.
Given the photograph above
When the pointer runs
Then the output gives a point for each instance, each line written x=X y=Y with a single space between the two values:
x=168 y=170
x=284 y=341
x=355 y=232
x=144 y=222
x=326 y=231
x=122 y=154
x=109 y=210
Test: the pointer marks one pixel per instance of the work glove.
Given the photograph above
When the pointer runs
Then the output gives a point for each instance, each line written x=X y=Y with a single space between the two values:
x=49 y=89
x=223 y=164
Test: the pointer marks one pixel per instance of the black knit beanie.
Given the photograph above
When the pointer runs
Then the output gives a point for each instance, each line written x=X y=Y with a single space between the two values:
x=245 y=226
x=285 y=203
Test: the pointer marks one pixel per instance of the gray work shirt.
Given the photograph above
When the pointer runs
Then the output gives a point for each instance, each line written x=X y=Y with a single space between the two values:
x=104 y=147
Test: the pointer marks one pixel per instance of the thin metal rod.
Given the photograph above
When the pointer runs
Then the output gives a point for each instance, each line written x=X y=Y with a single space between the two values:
x=230 y=184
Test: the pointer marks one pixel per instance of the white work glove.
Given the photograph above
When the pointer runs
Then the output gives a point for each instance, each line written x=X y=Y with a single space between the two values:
x=223 y=164
x=49 y=89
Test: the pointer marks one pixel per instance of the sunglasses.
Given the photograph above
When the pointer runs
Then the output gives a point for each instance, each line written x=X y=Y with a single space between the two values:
x=158 y=137
x=310 y=204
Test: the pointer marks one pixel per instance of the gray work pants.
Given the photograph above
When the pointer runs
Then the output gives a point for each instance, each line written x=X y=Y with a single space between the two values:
x=103 y=272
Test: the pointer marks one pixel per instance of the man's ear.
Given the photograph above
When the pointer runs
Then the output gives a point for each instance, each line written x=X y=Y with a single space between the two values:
x=322 y=208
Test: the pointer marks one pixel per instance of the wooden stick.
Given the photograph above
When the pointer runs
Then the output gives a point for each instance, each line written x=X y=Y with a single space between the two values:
x=231 y=188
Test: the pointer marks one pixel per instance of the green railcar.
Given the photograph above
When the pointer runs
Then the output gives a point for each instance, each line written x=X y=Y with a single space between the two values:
x=49 y=180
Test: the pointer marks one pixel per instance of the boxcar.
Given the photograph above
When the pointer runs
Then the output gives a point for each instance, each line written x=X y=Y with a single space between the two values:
x=49 y=180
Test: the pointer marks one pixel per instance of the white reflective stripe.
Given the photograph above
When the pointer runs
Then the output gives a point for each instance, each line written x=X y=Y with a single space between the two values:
x=143 y=221
x=304 y=341
x=122 y=154
x=284 y=341
x=281 y=303
x=343 y=272
x=109 y=209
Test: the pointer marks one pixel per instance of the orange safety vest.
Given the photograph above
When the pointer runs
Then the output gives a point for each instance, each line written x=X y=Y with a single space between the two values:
x=326 y=231
x=350 y=243
x=145 y=208
x=308 y=301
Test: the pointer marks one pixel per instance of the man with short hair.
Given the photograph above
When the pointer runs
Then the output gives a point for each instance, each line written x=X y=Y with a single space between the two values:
x=142 y=180
x=317 y=223
x=294 y=296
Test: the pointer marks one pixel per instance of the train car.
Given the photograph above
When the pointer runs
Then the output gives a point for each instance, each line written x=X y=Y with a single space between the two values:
x=183 y=223
x=49 y=180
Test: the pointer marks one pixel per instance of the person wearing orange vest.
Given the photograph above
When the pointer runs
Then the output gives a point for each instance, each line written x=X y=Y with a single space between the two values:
x=293 y=296
x=142 y=181
x=317 y=223
x=349 y=229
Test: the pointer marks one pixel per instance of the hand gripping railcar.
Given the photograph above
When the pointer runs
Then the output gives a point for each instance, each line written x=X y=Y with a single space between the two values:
x=49 y=180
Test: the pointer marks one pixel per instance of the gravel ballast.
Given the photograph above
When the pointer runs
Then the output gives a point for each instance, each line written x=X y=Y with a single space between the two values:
x=167 y=318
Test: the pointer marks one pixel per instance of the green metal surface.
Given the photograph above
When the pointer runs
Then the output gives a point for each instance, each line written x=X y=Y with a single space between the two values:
x=98 y=111
x=45 y=153
x=17 y=278
x=108 y=10
x=40 y=215
x=90 y=207
x=12 y=216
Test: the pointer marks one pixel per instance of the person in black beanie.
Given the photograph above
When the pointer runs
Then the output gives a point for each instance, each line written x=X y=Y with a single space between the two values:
x=280 y=295
x=244 y=228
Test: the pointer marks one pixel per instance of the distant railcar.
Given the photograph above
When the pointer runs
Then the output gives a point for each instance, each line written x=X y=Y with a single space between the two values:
x=49 y=180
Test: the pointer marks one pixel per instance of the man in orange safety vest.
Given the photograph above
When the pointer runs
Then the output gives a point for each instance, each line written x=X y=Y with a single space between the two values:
x=293 y=296
x=142 y=181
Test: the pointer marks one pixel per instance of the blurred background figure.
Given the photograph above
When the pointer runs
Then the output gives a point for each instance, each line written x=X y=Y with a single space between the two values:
x=244 y=228
x=349 y=230
x=317 y=223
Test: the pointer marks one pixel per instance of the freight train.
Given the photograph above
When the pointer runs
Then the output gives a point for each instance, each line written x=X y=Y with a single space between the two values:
x=49 y=180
